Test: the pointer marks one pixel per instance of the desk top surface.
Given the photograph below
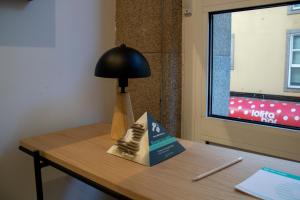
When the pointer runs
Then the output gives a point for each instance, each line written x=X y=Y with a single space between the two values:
x=83 y=150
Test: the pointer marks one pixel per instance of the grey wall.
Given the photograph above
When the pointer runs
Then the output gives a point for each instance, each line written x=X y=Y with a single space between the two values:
x=221 y=63
x=48 y=51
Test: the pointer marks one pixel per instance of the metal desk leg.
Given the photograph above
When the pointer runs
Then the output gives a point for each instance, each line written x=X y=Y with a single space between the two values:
x=41 y=162
x=38 y=175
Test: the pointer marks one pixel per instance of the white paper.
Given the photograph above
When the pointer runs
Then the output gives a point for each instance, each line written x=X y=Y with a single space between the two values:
x=271 y=184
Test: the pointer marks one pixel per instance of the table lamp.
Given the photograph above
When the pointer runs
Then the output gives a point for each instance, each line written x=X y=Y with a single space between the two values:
x=122 y=63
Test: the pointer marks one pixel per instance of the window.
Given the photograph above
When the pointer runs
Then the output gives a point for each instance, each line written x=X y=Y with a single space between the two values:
x=254 y=91
x=293 y=58
x=294 y=9
x=210 y=119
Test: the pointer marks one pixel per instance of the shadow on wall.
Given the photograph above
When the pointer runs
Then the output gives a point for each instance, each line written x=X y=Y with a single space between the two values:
x=16 y=15
x=14 y=4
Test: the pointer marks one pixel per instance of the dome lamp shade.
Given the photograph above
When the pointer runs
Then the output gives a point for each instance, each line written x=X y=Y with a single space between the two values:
x=122 y=63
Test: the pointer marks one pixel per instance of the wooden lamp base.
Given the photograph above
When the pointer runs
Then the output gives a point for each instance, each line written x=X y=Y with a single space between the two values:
x=123 y=116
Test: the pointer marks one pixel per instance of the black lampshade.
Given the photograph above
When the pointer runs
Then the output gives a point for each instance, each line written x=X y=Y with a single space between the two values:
x=122 y=62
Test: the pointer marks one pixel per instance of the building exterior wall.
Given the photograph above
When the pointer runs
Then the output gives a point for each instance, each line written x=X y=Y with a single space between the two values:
x=221 y=61
x=260 y=39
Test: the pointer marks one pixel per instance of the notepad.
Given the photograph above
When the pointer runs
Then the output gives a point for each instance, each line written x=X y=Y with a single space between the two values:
x=270 y=184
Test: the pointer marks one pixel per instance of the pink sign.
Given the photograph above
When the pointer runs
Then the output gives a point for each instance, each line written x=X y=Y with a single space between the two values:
x=270 y=111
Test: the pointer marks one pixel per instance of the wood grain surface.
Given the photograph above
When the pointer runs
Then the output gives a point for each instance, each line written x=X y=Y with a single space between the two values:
x=83 y=150
x=123 y=116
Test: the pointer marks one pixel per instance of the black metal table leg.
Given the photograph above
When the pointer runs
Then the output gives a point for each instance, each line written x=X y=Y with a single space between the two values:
x=40 y=162
x=38 y=175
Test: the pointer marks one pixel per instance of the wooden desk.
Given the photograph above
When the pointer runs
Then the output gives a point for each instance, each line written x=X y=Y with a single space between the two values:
x=81 y=152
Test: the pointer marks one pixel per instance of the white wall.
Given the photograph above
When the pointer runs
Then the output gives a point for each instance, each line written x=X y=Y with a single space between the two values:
x=51 y=87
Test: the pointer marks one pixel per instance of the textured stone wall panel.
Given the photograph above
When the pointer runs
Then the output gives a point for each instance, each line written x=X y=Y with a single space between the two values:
x=145 y=92
x=154 y=28
x=171 y=65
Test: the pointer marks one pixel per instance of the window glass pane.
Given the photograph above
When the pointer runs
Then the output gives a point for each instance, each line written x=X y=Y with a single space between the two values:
x=297 y=42
x=296 y=6
x=295 y=76
x=253 y=90
x=296 y=57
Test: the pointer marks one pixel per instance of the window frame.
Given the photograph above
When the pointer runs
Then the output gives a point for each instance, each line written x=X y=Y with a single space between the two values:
x=232 y=49
x=196 y=124
x=289 y=60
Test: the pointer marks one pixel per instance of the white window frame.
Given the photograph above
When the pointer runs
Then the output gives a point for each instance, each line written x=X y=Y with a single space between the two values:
x=196 y=125
x=290 y=53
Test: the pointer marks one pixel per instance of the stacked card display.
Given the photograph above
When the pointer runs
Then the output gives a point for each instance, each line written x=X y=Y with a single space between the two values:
x=147 y=143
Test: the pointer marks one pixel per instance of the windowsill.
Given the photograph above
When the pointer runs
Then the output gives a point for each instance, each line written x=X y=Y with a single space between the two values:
x=292 y=90
x=248 y=151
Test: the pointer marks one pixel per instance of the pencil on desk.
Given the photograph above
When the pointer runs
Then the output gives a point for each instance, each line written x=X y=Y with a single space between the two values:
x=217 y=169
